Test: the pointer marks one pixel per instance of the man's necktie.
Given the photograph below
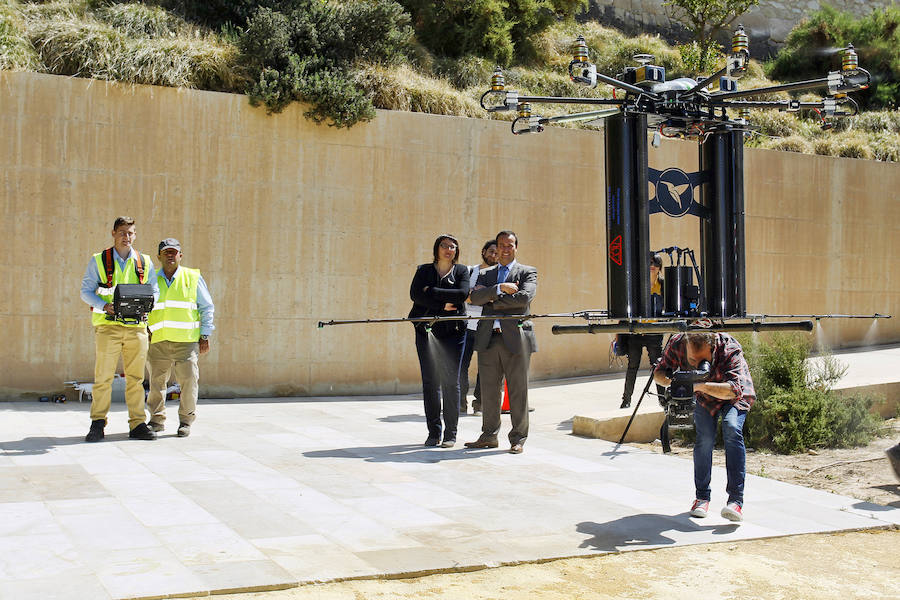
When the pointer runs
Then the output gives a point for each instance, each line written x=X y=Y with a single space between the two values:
x=502 y=272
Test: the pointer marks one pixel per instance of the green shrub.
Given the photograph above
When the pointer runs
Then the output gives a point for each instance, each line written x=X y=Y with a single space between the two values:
x=850 y=421
x=376 y=31
x=788 y=421
x=699 y=58
x=876 y=35
x=796 y=407
x=308 y=54
x=496 y=29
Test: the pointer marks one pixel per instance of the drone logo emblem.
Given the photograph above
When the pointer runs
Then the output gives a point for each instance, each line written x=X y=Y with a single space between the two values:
x=615 y=250
x=674 y=192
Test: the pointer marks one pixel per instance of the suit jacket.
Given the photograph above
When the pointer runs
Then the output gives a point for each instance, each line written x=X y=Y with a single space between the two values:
x=452 y=288
x=515 y=338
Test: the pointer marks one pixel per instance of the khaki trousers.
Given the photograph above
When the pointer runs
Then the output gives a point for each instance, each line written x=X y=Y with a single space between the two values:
x=110 y=342
x=161 y=358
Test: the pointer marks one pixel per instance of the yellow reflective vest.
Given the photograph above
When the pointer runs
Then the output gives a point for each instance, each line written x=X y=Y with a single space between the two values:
x=98 y=316
x=175 y=317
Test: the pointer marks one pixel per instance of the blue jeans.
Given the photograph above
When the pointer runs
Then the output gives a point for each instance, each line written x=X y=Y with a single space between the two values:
x=735 y=455
x=439 y=362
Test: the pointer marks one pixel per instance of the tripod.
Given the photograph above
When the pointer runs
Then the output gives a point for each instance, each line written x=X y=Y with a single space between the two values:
x=663 y=430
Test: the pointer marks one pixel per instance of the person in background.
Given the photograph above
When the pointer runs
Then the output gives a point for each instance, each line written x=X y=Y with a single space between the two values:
x=439 y=288
x=637 y=342
x=488 y=259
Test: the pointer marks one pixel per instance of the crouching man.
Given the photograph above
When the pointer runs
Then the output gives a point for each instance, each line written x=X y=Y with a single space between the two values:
x=727 y=393
x=180 y=325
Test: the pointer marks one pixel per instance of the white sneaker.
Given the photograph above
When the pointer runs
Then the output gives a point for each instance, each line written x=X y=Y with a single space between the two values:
x=700 y=508
x=732 y=511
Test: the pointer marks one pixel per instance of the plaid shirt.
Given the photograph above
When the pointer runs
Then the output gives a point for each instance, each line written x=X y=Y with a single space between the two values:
x=728 y=366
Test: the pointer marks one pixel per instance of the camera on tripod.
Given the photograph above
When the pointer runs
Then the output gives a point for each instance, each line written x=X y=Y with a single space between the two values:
x=679 y=400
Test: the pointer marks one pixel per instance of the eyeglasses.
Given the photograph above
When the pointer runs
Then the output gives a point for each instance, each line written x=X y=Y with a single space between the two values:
x=448 y=246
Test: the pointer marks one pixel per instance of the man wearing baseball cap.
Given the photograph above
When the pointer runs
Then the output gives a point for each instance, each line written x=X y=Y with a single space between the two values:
x=180 y=325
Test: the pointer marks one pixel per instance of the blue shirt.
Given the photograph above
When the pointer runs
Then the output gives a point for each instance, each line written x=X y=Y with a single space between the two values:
x=204 y=302
x=91 y=280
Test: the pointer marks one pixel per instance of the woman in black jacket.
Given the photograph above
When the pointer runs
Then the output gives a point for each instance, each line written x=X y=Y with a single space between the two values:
x=439 y=288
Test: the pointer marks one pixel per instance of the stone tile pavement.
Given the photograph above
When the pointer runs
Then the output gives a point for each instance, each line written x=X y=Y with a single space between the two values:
x=266 y=494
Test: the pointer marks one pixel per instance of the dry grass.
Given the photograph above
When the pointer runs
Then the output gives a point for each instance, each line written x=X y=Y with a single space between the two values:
x=402 y=88
x=16 y=52
x=132 y=43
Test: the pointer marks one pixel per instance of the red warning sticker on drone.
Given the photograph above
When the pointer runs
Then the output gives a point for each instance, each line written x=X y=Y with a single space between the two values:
x=615 y=250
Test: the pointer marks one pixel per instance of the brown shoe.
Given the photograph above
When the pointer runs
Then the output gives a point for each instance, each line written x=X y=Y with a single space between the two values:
x=482 y=443
x=516 y=449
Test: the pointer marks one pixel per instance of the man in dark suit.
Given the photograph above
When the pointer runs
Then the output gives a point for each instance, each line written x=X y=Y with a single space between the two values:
x=504 y=345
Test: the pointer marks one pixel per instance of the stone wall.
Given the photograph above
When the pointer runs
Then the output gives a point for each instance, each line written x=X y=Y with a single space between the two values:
x=768 y=23
x=292 y=223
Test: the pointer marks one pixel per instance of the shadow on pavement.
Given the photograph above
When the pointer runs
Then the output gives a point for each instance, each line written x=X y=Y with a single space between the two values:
x=642 y=530
x=412 y=418
x=41 y=445
x=403 y=453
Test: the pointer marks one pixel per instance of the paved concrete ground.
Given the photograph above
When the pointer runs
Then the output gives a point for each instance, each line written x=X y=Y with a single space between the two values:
x=268 y=494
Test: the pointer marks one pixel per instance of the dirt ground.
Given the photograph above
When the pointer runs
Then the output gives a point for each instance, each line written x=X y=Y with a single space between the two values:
x=835 y=566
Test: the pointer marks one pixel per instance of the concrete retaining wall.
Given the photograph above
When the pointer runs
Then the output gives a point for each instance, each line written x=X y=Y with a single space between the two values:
x=291 y=223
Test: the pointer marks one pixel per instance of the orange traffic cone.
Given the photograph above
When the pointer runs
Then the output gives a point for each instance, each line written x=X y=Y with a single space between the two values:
x=504 y=408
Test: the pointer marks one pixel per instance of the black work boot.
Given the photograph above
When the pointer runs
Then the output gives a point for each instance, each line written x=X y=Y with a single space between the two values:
x=96 y=433
x=142 y=432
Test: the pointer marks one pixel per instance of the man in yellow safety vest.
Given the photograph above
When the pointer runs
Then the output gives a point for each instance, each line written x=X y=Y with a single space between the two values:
x=180 y=325
x=117 y=265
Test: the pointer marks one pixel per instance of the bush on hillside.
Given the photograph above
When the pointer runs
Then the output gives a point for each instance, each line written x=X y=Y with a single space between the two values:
x=308 y=54
x=809 y=51
x=796 y=407
x=496 y=29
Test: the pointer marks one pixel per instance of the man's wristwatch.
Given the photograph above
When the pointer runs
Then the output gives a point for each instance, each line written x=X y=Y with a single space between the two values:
x=204 y=337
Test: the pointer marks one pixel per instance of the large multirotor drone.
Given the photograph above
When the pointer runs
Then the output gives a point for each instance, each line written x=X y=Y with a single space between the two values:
x=683 y=107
